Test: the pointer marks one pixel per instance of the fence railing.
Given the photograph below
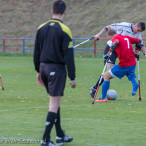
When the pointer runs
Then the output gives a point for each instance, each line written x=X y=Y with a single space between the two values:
x=23 y=46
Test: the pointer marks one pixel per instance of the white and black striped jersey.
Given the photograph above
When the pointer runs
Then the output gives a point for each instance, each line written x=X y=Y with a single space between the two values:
x=125 y=28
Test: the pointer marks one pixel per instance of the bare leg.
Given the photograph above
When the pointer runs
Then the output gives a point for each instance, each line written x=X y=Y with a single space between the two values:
x=109 y=66
x=54 y=103
x=107 y=76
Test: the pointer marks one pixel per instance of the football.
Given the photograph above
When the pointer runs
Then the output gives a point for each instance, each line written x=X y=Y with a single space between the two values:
x=111 y=95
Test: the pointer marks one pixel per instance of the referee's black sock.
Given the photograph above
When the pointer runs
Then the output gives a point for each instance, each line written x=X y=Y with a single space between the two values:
x=59 y=131
x=51 y=118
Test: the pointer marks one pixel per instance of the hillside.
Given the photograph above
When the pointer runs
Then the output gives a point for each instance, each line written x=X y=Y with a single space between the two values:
x=20 y=18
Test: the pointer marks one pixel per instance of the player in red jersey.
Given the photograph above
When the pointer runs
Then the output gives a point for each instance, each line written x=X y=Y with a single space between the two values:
x=127 y=63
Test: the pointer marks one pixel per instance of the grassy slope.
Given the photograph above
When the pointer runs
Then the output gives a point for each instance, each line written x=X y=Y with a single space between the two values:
x=85 y=17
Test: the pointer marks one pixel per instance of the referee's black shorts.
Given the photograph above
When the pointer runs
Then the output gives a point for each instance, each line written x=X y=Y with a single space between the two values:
x=54 y=78
x=113 y=56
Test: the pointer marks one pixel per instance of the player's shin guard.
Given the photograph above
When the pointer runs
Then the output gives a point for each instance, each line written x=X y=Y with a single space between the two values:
x=105 y=87
x=51 y=118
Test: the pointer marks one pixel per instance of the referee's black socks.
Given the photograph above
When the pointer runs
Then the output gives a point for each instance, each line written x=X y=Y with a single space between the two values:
x=51 y=119
x=59 y=131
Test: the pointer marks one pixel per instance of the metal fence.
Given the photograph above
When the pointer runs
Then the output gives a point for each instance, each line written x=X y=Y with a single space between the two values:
x=24 y=45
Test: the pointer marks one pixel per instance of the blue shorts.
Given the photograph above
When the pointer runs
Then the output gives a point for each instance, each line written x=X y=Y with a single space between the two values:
x=120 y=72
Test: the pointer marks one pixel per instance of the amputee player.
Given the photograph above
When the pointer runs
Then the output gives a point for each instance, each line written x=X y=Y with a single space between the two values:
x=123 y=28
x=122 y=45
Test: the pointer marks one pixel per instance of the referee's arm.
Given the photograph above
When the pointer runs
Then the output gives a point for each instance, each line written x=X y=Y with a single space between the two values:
x=37 y=52
x=69 y=56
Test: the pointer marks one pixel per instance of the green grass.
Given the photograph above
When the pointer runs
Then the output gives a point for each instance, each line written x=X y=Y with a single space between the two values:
x=24 y=105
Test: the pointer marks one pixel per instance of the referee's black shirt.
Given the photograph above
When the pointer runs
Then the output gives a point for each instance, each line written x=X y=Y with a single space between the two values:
x=53 y=44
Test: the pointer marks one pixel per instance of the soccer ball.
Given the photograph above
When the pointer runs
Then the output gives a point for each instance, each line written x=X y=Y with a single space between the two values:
x=111 y=95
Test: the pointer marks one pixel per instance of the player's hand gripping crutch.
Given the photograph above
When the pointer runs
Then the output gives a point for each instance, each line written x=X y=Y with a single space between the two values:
x=1 y=82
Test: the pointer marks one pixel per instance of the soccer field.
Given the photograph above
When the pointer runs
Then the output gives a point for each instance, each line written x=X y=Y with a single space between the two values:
x=24 y=106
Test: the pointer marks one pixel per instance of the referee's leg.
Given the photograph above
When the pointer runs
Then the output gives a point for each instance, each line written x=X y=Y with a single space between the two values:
x=54 y=104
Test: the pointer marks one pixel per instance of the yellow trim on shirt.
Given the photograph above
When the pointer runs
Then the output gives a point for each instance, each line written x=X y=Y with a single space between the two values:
x=63 y=26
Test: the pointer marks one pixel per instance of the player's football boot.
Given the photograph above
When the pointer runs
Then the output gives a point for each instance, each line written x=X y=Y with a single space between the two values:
x=92 y=92
x=101 y=100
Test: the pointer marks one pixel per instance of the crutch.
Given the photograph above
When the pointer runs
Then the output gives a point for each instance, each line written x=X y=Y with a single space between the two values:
x=83 y=42
x=102 y=75
x=138 y=74
x=1 y=82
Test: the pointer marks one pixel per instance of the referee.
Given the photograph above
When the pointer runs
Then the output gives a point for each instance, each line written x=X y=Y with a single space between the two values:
x=53 y=53
x=123 y=28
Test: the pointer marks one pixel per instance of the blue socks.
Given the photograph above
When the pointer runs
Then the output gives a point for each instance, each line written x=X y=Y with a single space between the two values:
x=106 y=85
x=135 y=87
x=105 y=88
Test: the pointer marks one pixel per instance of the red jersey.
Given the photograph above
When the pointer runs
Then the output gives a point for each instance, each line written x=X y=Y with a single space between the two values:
x=124 y=50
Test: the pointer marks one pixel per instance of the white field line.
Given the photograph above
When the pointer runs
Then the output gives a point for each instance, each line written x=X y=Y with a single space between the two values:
x=25 y=108
x=12 y=140
x=91 y=144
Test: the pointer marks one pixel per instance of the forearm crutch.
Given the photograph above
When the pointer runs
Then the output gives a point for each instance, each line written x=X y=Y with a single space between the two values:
x=83 y=42
x=99 y=82
x=110 y=52
x=1 y=82
x=138 y=74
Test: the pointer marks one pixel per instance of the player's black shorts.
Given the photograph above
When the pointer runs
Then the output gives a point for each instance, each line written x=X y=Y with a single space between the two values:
x=54 y=78
x=113 y=56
